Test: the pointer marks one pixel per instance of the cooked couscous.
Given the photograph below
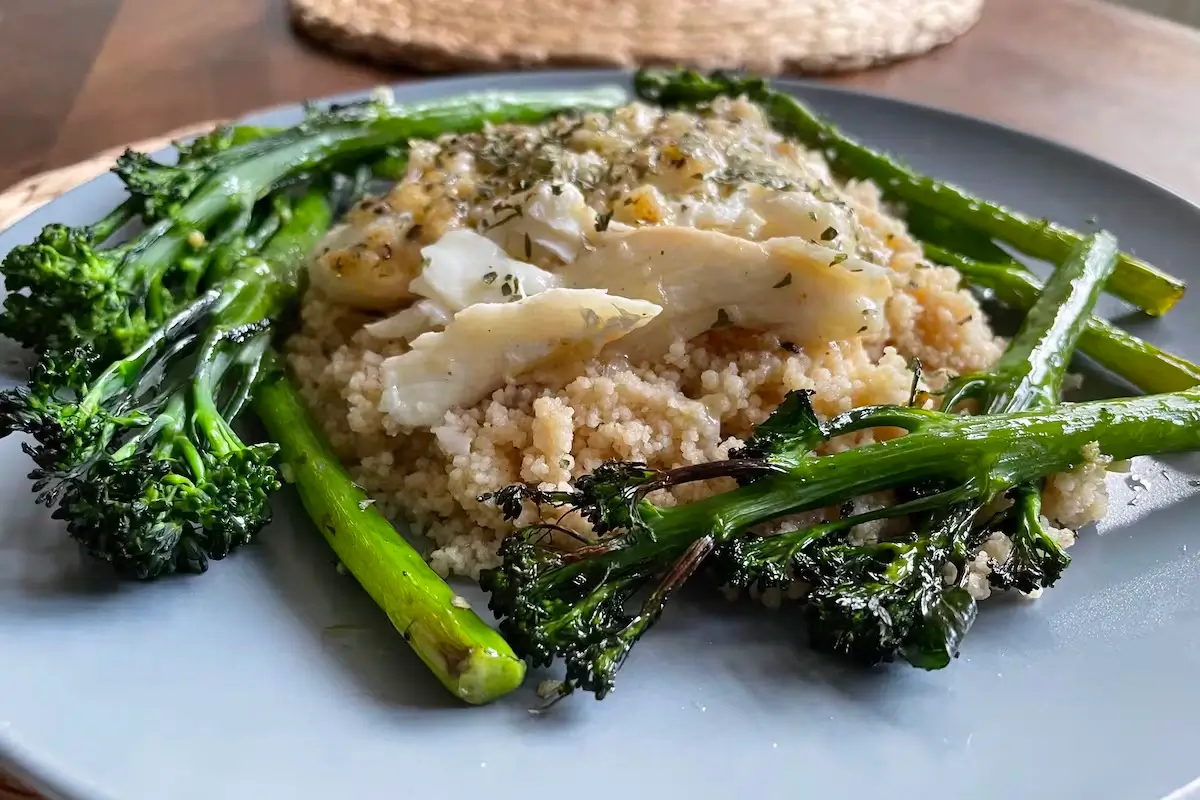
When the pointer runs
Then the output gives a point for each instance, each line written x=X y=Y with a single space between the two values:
x=670 y=378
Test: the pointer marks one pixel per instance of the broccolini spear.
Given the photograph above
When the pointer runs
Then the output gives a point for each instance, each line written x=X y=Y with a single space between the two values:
x=872 y=602
x=335 y=135
x=1134 y=359
x=1134 y=280
x=572 y=605
x=466 y=655
x=142 y=462
x=67 y=288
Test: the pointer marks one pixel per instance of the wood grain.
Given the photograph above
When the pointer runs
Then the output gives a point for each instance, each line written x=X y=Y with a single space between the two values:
x=1116 y=83
x=12 y=789
x=37 y=93
x=1113 y=82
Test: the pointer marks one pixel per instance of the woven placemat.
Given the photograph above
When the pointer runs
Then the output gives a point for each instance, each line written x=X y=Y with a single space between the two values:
x=765 y=36
x=26 y=197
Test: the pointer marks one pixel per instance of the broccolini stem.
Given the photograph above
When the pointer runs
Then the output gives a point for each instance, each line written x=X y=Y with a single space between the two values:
x=1010 y=449
x=250 y=169
x=114 y=221
x=121 y=375
x=933 y=228
x=1134 y=280
x=1145 y=366
x=265 y=282
x=245 y=173
x=467 y=656
x=256 y=291
x=173 y=441
x=1030 y=373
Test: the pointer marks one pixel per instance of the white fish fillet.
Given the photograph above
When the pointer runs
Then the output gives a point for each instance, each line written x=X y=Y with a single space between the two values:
x=550 y=217
x=489 y=344
x=804 y=292
x=464 y=268
x=461 y=269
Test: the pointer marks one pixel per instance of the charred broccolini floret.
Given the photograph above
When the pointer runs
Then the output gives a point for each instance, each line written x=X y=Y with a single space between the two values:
x=573 y=605
x=70 y=287
x=878 y=601
x=870 y=602
x=142 y=461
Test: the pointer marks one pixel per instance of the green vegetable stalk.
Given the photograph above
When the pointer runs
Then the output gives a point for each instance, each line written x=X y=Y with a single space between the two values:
x=1134 y=280
x=870 y=602
x=467 y=656
x=1136 y=360
x=142 y=461
x=67 y=288
x=572 y=606
x=1031 y=371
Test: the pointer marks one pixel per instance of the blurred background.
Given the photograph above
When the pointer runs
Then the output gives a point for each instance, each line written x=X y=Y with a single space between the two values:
x=1181 y=10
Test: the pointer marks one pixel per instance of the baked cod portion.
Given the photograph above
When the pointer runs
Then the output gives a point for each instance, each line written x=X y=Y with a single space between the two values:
x=529 y=302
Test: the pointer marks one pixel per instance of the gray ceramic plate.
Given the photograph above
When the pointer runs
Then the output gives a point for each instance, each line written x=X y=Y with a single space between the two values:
x=273 y=676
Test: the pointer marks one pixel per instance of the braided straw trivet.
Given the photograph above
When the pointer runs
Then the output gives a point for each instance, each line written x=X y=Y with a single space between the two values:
x=766 y=36
x=28 y=196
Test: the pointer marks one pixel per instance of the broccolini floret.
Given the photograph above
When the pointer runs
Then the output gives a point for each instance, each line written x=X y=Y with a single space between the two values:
x=869 y=601
x=142 y=461
x=580 y=606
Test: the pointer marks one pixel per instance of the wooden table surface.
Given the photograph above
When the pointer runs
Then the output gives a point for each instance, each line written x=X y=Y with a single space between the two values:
x=1116 y=83
x=78 y=76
